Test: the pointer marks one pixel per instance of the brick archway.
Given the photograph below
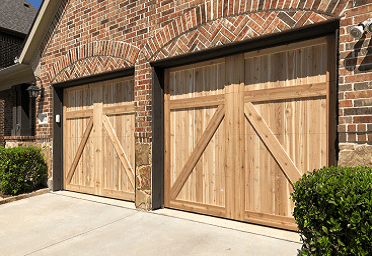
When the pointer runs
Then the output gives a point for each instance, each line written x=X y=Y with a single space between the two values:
x=209 y=25
x=93 y=58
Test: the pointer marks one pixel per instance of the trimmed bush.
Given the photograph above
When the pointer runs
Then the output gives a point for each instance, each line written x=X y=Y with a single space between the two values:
x=22 y=170
x=333 y=211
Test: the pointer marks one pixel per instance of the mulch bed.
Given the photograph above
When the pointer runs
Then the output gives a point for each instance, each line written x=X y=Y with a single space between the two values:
x=2 y=195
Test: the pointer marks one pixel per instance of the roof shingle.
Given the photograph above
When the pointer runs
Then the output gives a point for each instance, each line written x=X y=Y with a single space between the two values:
x=17 y=15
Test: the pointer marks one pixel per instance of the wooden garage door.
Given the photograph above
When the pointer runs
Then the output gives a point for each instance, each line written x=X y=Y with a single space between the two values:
x=240 y=130
x=98 y=138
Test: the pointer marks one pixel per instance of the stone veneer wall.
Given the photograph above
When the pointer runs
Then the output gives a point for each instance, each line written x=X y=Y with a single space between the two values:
x=94 y=36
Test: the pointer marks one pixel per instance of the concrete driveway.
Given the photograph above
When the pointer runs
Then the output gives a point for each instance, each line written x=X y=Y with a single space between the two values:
x=66 y=223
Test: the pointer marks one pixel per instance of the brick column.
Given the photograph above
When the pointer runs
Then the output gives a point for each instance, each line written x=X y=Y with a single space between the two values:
x=143 y=133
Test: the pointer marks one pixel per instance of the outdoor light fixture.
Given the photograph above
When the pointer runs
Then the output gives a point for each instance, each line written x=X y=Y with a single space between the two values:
x=358 y=31
x=369 y=26
x=33 y=90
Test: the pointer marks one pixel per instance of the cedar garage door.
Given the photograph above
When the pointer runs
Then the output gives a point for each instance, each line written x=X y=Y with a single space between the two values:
x=240 y=130
x=98 y=138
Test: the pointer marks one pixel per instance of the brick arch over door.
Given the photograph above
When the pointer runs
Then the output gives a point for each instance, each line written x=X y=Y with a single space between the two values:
x=213 y=24
x=93 y=58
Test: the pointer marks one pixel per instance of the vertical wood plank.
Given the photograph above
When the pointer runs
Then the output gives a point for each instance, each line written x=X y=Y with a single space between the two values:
x=234 y=136
x=199 y=168
x=239 y=119
x=98 y=138
x=331 y=100
x=65 y=139
x=229 y=140
x=167 y=139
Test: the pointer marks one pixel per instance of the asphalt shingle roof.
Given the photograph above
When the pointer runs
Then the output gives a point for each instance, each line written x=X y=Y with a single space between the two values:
x=17 y=15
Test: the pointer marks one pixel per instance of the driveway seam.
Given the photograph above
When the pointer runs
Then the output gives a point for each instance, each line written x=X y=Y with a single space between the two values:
x=83 y=233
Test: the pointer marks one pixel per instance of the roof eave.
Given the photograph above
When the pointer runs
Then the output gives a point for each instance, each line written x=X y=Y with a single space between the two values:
x=38 y=31
x=13 y=75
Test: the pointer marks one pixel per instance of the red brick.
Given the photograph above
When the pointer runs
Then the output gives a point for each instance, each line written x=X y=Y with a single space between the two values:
x=352 y=128
x=345 y=103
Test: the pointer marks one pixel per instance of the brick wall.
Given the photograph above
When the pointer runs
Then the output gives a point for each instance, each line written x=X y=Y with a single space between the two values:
x=107 y=35
x=355 y=88
x=10 y=47
x=94 y=36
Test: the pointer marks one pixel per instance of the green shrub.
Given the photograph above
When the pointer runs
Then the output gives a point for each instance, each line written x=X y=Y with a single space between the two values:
x=333 y=211
x=22 y=170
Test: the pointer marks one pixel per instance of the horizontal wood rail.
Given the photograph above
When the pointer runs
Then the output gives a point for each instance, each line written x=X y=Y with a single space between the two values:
x=271 y=220
x=121 y=109
x=197 y=102
x=199 y=207
x=119 y=194
x=79 y=188
x=286 y=93
x=79 y=113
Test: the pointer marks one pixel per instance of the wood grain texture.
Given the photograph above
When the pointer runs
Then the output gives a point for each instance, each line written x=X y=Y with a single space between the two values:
x=119 y=149
x=99 y=127
x=286 y=93
x=83 y=142
x=276 y=127
x=197 y=152
x=272 y=143
x=197 y=102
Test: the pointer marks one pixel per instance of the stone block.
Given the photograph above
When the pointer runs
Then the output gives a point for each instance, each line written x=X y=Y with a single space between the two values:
x=143 y=200
x=143 y=177
x=360 y=156
x=347 y=146
x=143 y=154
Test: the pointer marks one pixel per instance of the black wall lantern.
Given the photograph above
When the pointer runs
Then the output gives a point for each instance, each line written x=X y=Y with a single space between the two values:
x=33 y=91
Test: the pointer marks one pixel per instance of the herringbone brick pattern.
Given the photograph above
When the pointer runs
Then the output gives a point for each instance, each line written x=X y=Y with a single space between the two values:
x=90 y=66
x=93 y=58
x=228 y=30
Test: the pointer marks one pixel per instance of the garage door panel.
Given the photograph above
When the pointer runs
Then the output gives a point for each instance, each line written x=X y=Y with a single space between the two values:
x=106 y=156
x=267 y=187
x=206 y=182
x=286 y=68
x=118 y=91
x=275 y=128
x=205 y=174
x=115 y=173
x=300 y=126
x=187 y=129
x=79 y=155
x=194 y=81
